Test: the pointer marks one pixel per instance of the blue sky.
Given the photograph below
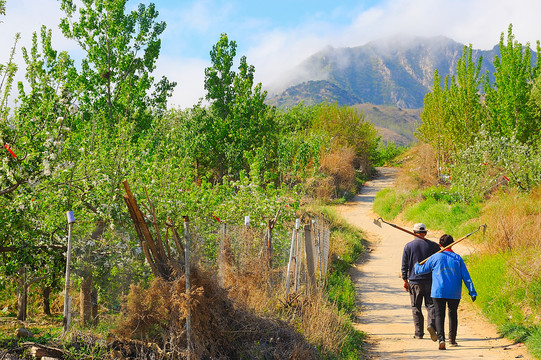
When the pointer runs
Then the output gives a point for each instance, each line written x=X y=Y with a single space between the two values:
x=277 y=35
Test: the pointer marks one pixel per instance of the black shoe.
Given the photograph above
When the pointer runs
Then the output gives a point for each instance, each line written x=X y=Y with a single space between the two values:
x=452 y=343
x=433 y=334
x=418 y=336
x=442 y=345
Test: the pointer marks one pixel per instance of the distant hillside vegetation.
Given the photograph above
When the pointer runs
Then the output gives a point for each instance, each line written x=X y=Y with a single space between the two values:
x=394 y=124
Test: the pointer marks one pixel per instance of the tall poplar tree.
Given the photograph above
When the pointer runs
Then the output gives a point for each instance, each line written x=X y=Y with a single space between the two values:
x=507 y=98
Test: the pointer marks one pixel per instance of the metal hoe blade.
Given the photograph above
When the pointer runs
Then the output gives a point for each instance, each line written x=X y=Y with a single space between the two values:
x=377 y=222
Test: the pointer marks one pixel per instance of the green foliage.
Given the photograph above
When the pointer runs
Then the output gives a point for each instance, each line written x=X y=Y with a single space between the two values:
x=503 y=300
x=534 y=342
x=339 y=285
x=238 y=120
x=507 y=99
x=7 y=73
x=341 y=291
x=453 y=114
x=121 y=50
x=36 y=133
x=386 y=154
x=439 y=214
x=353 y=347
x=438 y=207
x=484 y=136
x=492 y=161
x=348 y=128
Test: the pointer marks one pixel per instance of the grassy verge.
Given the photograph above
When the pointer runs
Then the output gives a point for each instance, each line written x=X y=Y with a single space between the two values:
x=435 y=207
x=346 y=248
x=507 y=300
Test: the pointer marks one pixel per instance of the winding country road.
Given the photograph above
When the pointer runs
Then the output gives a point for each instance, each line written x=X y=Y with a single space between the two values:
x=384 y=310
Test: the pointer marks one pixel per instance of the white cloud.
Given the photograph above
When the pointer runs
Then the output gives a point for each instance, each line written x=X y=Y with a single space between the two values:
x=189 y=75
x=274 y=49
x=479 y=22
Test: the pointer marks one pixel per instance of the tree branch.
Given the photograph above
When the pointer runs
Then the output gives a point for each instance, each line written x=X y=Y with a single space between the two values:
x=12 y=187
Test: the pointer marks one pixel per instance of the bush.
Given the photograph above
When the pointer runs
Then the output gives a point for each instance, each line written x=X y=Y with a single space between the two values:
x=493 y=162
x=386 y=154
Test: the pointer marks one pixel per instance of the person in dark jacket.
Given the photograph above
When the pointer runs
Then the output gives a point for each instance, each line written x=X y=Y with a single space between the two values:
x=448 y=272
x=419 y=285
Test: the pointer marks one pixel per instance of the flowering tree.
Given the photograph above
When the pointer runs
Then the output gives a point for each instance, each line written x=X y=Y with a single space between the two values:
x=118 y=100
x=32 y=140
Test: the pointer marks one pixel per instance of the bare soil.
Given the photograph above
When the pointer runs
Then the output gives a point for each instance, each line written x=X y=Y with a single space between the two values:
x=384 y=305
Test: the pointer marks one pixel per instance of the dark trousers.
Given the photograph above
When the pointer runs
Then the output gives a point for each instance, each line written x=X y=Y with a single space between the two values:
x=439 y=305
x=418 y=292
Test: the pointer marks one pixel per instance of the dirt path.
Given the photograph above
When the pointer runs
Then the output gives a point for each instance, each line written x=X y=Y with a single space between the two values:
x=385 y=313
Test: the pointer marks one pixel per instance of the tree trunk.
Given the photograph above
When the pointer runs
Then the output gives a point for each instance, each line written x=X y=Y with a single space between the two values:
x=94 y=296
x=86 y=310
x=46 y=292
x=22 y=295
x=86 y=297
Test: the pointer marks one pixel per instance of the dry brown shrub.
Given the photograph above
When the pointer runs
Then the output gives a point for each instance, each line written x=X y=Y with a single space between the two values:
x=222 y=329
x=514 y=220
x=513 y=223
x=339 y=166
x=320 y=322
x=419 y=168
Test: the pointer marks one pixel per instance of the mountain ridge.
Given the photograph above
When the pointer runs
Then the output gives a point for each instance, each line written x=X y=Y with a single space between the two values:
x=396 y=71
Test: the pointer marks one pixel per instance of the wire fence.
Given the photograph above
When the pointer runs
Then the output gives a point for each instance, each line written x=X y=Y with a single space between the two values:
x=290 y=257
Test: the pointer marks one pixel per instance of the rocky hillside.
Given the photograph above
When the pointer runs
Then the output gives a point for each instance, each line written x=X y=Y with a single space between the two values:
x=397 y=71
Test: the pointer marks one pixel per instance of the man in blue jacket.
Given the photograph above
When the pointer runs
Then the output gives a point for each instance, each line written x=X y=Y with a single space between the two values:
x=448 y=271
x=419 y=285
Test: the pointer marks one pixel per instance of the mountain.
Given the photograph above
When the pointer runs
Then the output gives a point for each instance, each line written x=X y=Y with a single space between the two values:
x=396 y=72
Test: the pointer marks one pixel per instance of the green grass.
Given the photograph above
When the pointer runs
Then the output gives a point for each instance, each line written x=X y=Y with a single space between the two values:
x=388 y=203
x=534 y=343
x=437 y=208
x=439 y=214
x=340 y=287
x=503 y=299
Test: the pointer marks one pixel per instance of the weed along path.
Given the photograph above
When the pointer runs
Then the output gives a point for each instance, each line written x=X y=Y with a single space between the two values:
x=384 y=310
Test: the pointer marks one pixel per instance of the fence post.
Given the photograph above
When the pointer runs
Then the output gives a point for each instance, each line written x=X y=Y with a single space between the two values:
x=221 y=258
x=246 y=242
x=67 y=302
x=291 y=255
x=269 y=243
x=188 y=286
x=308 y=247
x=298 y=260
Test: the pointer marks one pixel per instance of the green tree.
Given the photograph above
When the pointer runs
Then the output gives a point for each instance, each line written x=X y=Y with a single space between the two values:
x=453 y=114
x=434 y=117
x=118 y=100
x=33 y=138
x=121 y=50
x=348 y=128
x=507 y=98
x=239 y=120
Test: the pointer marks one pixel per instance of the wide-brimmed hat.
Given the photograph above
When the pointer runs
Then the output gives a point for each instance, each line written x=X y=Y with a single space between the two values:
x=419 y=227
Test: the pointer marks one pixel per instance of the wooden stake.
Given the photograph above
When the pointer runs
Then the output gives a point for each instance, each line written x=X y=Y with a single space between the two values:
x=309 y=259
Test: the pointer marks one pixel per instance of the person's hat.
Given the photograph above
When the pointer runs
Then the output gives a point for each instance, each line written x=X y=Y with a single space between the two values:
x=419 y=227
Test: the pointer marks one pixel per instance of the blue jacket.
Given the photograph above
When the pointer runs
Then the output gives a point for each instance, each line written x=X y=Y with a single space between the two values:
x=415 y=251
x=448 y=272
